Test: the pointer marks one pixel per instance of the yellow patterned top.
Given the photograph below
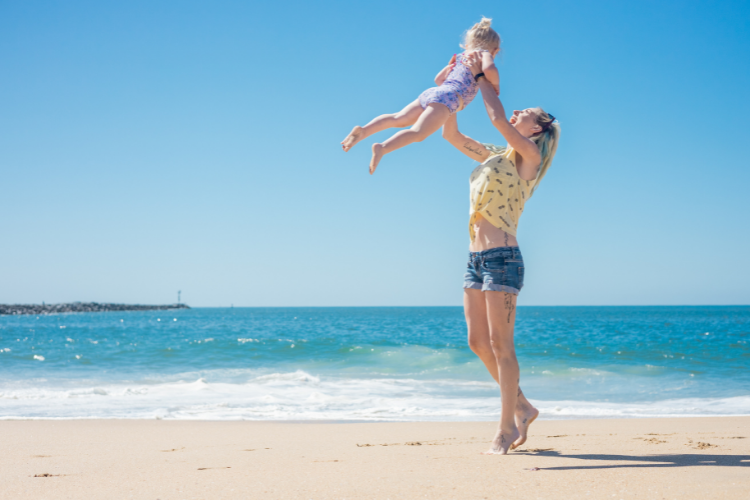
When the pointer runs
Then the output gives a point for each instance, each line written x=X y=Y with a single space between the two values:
x=497 y=192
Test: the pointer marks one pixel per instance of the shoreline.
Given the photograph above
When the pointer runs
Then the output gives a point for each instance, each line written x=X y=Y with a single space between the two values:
x=625 y=458
x=354 y=422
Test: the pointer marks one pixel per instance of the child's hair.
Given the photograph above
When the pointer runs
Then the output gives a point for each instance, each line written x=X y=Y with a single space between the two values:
x=546 y=141
x=481 y=36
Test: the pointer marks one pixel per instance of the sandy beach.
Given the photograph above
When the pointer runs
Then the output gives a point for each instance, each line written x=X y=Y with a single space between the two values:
x=629 y=458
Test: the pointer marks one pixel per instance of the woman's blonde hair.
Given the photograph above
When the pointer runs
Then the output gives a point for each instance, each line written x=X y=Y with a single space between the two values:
x=546 y=141
x=481 y=36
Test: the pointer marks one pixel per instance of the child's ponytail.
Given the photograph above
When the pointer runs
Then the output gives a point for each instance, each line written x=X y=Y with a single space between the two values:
x=485 y=23
x=481 y=36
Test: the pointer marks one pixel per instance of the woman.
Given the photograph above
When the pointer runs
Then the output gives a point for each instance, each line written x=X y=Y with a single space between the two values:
x=500 y=186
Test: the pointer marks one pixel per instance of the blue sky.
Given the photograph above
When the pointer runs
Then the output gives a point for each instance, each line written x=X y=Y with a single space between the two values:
x=150 y=147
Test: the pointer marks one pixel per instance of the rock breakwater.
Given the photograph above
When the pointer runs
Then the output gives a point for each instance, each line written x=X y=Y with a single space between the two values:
x=75 y=307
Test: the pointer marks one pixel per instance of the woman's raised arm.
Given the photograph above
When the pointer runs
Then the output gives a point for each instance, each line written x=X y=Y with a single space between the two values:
x=495 y=110
x=468 y=146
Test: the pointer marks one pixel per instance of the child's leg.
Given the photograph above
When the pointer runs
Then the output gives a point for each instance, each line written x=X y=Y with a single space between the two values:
x=404 y=118
x=431 y=119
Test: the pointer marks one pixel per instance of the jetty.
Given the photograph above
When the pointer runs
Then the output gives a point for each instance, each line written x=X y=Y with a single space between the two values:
x=79 y=307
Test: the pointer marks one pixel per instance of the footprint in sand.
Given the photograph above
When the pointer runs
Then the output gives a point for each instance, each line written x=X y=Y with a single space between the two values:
x=653 y=441
x=703 y=446
x=408 y=443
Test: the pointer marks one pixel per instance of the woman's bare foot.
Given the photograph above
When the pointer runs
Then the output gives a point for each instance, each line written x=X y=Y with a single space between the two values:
x=377 y=154
x=503 y=441
x=524 y=417
x=353 y=138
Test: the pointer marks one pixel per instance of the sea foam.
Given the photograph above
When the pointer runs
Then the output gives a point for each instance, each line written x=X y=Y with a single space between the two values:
x=301 y=396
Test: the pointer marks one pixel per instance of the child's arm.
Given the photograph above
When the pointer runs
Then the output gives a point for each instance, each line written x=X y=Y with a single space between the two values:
x=440 y=78
x=490 y=71
x=468 y=146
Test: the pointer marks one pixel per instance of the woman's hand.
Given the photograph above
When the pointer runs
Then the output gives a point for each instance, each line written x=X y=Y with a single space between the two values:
x=474 y=62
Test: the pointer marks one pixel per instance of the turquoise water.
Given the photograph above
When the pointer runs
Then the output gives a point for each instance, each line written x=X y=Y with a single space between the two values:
x=407 y=363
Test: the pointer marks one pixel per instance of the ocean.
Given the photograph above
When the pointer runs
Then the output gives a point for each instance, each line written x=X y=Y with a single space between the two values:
x=371 y=364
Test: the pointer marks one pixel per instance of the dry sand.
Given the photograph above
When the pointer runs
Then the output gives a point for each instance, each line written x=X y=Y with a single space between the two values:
x=635 y=458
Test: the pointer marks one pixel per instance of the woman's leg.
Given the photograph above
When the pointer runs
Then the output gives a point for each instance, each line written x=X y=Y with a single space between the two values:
x=525 y=415
x=475 y=310
x=431 y=119
x=404 y=118
x=501 y=315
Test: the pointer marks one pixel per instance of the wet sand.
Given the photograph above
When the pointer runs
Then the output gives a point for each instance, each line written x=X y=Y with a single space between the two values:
x=679 y=458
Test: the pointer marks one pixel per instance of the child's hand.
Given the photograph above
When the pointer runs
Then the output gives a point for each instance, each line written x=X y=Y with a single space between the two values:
x=452 y=62
x=440 y=78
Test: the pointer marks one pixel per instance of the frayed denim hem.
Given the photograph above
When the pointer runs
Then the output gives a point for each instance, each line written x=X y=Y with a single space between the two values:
x=490 y=287
x=473 y=285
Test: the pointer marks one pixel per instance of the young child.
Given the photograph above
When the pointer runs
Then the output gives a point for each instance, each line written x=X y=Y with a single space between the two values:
x=456 y=89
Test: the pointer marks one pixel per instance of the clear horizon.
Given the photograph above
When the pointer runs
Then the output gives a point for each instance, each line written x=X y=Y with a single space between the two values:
x=343 y=306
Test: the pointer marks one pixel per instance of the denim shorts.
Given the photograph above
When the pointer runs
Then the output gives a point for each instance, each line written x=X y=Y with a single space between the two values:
x=497 y=269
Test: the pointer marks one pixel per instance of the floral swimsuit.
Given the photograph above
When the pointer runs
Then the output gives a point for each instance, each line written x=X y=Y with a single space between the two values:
x=458 y=90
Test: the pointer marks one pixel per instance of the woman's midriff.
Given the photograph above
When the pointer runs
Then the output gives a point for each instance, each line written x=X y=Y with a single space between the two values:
x=488 y=236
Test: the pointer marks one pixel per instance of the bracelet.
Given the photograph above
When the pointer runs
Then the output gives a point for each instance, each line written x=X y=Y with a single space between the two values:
x=478 y=76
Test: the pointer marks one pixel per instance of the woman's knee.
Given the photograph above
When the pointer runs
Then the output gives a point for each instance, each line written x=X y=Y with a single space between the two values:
x=479 y=345
x=502 y=348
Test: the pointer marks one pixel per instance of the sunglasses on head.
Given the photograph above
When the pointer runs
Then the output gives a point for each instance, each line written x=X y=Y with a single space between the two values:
x=549 y=123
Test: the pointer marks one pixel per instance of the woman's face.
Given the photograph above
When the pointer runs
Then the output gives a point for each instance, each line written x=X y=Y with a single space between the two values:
x=525 y=121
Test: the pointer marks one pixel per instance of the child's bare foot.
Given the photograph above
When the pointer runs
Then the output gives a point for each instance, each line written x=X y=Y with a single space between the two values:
x=524 y=417
x=377 y=154
x=503 y=441
x=353 y=138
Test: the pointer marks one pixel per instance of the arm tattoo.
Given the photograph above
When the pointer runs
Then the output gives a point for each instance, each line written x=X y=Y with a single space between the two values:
x=506 y=239
x=476 y=151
